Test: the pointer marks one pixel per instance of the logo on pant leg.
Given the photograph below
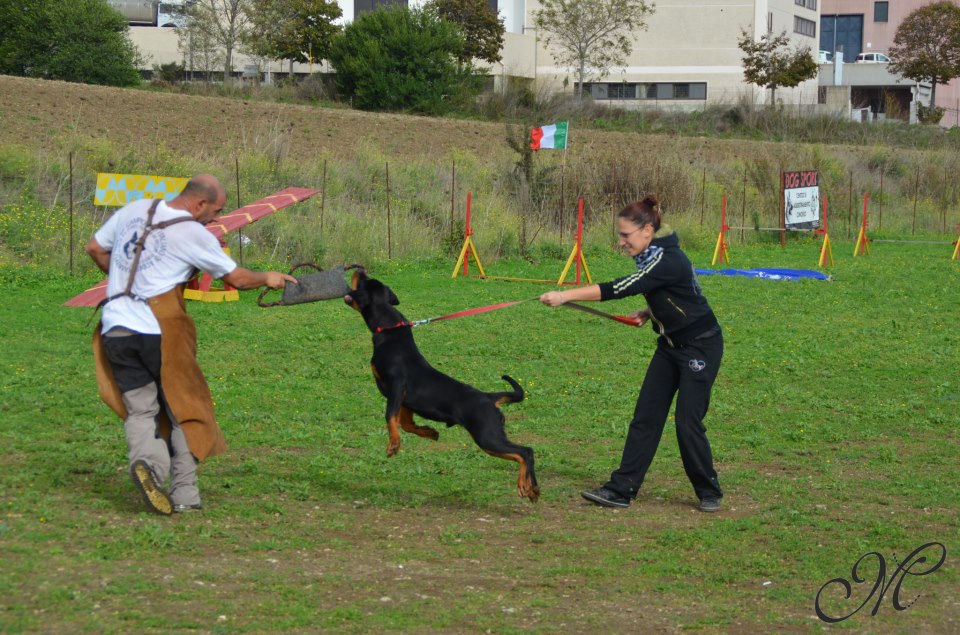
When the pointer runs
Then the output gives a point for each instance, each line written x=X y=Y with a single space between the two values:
x=696 y=365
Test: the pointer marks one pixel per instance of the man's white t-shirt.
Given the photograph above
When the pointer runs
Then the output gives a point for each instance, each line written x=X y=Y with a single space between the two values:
x=170 y=257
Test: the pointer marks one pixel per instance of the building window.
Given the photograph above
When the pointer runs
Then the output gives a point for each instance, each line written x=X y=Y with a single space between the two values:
x=804 y=27
x=880 y=11
x=653 y=91
x=809 y=4
x=622 y=91
x=364 y=6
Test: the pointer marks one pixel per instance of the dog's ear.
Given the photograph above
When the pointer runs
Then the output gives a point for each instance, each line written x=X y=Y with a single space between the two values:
x=394 y=300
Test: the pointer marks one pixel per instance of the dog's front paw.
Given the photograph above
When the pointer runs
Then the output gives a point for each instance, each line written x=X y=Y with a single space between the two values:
x=392 y=449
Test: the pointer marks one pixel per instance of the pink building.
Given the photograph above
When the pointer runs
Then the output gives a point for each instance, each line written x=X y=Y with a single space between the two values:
x=869 y=26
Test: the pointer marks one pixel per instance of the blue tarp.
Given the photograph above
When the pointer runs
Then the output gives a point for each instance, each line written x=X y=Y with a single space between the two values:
x=767 y=273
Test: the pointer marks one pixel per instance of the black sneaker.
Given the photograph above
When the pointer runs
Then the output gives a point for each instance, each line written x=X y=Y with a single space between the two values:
x=710 y=504
x=606 y=497
x=155 y=498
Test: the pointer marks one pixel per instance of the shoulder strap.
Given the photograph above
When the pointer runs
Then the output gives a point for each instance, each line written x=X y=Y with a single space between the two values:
x=141 y=243
x=139 y=247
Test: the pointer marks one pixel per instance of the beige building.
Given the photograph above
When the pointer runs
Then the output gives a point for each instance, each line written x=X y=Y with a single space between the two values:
x=687 y=57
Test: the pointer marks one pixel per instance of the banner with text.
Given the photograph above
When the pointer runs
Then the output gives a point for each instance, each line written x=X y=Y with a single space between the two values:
x=801 y=199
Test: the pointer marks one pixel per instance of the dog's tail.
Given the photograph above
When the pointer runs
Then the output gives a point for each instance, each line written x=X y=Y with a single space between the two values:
x=508 y=397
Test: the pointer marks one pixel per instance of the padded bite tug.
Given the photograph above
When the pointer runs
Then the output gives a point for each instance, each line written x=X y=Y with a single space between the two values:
x=323 y=285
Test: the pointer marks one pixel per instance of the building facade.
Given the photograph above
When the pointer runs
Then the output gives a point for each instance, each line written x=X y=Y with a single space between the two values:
x=687 y=57
x=851 y=27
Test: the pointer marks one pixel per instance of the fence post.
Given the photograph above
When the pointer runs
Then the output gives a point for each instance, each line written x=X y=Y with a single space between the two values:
x=453 y=194
x=883 y=168
x=71 y=213
x=850 y=209
x=703 y=195
x=916 y=190
x=323 y=196
x=389 y=237
x=743 y=205
x=236 y=165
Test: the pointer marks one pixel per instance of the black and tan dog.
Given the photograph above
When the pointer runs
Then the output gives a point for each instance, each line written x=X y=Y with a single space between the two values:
x=412 y=386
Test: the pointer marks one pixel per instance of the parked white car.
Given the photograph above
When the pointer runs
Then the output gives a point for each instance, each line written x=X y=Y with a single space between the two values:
x=824 y=57
x=873 y=58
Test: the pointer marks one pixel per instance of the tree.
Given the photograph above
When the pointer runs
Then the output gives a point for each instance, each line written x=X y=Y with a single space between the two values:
x=397 y=58
x=295 y=30
x=591 y=36
x=80 y=41
x=771 y=63
x=215 y=24
x=482 y=29
x=926 y=46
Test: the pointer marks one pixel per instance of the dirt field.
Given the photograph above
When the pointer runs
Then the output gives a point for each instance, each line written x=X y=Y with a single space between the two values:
x=41 y=113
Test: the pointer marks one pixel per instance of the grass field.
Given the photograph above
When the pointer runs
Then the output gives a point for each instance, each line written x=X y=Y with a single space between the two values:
x=835 y=425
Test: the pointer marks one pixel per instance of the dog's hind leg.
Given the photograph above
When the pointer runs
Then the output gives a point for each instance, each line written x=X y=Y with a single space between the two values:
x=495 y=443
x=394 y=417
x=406 y=422
x=526 y=482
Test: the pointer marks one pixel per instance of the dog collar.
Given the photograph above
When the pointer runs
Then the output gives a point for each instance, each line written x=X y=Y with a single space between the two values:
x=381 y=329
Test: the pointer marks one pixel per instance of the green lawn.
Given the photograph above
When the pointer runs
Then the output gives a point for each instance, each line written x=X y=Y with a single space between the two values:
x=835 y=425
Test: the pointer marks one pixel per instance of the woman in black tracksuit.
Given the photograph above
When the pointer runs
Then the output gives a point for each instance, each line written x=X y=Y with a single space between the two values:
x=685 y=363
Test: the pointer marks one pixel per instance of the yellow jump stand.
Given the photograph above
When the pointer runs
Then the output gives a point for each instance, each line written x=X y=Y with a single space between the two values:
x=201 y=288
x=956 y=250
x=826 y=251
x=721 y=252
x=469 y=249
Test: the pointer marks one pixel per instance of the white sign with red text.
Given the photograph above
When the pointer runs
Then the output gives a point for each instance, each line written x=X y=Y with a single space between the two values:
x=801 y=199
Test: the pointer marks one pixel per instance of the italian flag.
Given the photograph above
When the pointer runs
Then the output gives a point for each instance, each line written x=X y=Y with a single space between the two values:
x=552 y=136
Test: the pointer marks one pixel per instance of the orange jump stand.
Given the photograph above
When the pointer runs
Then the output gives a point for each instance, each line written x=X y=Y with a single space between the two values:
x=577 y=254
x=721 y=251
x=469 y=249
x=862 y=248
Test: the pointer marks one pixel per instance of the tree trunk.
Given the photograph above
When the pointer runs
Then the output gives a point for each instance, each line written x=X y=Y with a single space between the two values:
x=583 y=69
x=228 y=65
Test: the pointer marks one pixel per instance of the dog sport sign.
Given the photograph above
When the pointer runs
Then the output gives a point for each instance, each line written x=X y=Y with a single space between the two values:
x=801 y=199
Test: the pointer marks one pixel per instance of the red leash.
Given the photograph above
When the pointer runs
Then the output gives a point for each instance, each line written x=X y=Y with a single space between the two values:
x=623 y=319
x=450 y=316
x=493 y=307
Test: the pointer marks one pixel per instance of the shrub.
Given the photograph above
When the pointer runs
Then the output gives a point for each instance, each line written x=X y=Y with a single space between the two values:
x=402 y=59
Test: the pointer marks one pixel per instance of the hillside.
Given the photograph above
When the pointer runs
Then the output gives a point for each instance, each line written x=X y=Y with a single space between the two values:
x=40 y=114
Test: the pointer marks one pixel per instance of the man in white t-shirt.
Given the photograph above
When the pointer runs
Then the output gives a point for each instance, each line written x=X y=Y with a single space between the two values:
x=145 y=345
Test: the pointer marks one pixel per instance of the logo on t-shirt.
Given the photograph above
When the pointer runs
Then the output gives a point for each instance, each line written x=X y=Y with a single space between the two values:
x=153 y=249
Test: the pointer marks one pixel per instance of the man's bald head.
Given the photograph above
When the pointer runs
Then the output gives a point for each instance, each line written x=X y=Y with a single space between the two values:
x=204 y=187
x=203 y=197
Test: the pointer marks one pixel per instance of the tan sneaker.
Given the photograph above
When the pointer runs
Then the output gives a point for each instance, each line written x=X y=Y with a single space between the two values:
x=155 y=498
